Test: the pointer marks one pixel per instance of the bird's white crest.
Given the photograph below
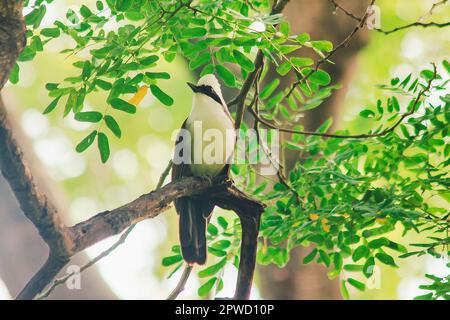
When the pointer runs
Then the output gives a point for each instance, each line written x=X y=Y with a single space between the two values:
x=211 y=80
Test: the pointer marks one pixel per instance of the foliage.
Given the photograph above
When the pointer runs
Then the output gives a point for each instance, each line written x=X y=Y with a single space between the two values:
x=343 y=196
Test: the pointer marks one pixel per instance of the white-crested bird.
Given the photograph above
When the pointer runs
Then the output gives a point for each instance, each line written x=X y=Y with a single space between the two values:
x=209 y=118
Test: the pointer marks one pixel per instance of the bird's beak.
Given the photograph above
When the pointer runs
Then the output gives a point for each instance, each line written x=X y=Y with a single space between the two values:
x=192 y=86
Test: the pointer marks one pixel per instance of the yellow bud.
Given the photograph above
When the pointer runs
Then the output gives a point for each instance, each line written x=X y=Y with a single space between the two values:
x=325 y=225
x=140 y=94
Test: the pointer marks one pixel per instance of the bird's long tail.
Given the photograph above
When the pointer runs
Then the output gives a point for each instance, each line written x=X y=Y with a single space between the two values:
x=194 y=213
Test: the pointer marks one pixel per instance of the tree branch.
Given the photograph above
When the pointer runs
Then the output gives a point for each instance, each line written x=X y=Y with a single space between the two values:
x=415 y=24
x=105 y=253
x=348 y=13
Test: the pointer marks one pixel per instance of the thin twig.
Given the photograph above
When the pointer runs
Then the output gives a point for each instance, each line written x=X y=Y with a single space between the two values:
x=348 y=13
x=62 y=280
x=433 y=7
x=360 y=136
x=342 y=44
x=181 y=283
x=415 y=24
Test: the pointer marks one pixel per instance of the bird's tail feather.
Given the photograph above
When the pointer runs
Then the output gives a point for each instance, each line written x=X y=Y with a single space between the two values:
x=193 y=213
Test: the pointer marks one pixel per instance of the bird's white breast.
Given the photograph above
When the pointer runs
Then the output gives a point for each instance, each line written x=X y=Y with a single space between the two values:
x=215 y=124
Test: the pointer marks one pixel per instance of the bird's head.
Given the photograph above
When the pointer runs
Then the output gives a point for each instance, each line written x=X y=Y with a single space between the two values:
x=208 y=85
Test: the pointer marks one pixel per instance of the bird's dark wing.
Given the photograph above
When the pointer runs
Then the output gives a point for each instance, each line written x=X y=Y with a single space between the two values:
x=193 y=213
x=180 y=170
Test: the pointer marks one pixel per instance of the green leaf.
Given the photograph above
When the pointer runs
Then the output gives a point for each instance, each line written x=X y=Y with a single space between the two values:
x=193 y=32
x=226 y=75
x=168 y=261
x=324 y=257
x=161 y=95
x=209 y=69
x=89 y=116
x=122 y=105
x=368 y=267
x=446 y=65
x=243 y=61
x=338 y=261
x=14 y=76
x=112 y=124
x=366 y=113
x=217 y=252
x=206 y=287
x=427 y=74
x=322 y=45
x=71 y=102
x=85 y=11
x=103 y=84
x=222 y=222
x=303 y=38
x=35 y=17
x=99 y=5
x=310 y=257
x=344 y=290
x=395 y=81
x=428 y=296
x=357 y=284
x=221 y=244
x=320 y=77
x=212 y=229
x=378 y=243
x=284 y=68
x=27 y=54
x=148 y=60
x=395 y=104
x=103 y=146
x=86 y=142
x=212 y=270
x=200 y=60
x=269 y=89
x=386 y=259
x=52 y=105
x=353 y=267
x=157 y=75
x=285 y=28
x=397 y=247
x=302 y=62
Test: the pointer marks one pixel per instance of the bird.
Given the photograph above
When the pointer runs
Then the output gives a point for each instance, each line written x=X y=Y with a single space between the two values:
x=211 y=118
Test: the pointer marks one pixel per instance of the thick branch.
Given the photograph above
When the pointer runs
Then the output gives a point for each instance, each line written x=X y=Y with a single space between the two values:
x=249 y=213
x=109 y=223
x=33 y=203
